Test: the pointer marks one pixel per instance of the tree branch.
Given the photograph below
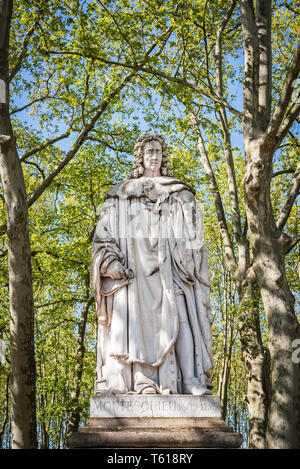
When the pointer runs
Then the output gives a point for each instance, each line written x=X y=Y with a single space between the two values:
x=284 y=100
x=89 y=126
x=283 y=171
x=106 y=144
x=184 y=82
x=45 y=144
x=263 y=22
x=79 y=141
x=251 y=82
x=67 y=300
x=229 y=253
x=37 y=166
x=124 y=36
x=24 y=48
x=226 y=135
x=288 y=121
x=292 y=245
x=56 y=256
x=23 y=52
x=36 y=100
x=206 y=49
x=159 y=74
x=289 y=200
x=233 y=192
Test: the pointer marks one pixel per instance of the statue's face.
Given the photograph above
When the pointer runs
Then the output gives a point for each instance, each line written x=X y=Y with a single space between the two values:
x=152 y=155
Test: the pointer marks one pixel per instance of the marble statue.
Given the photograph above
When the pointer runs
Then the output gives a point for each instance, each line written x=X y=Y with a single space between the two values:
x=150 y=282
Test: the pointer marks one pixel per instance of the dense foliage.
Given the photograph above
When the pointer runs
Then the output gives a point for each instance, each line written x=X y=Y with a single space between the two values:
x=87 y=78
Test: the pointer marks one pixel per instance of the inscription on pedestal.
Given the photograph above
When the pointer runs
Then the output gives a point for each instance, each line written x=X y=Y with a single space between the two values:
x=155 y=406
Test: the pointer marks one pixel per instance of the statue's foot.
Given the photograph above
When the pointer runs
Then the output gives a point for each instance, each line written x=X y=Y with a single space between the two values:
x=144 y=385
x=145 y=389
x=149 y=390
x=193 y=386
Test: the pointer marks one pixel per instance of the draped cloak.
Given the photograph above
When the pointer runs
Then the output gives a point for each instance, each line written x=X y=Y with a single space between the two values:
x=154 y=227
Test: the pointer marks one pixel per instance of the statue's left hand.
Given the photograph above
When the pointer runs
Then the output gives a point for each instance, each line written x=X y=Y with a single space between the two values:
x=149 y=190
x=115 y=270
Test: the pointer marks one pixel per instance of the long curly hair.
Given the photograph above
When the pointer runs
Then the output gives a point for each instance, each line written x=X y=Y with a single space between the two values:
x=138 y=168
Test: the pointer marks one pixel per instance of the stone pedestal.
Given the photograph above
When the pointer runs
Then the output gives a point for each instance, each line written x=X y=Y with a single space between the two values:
x=155 y=421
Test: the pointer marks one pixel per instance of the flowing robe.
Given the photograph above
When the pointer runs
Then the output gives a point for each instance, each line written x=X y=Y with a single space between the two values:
x=158 y=234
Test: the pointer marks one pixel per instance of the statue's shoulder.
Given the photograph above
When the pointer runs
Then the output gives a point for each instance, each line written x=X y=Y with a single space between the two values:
x=187 y=195
x=128 y=188
x=178 y=185
x=134 y=187
x=114 y=191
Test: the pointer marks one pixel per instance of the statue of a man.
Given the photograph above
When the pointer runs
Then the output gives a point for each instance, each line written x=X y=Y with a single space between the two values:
x=150 y=282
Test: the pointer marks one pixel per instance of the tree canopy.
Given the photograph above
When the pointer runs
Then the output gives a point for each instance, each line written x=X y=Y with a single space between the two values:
x=219 y=79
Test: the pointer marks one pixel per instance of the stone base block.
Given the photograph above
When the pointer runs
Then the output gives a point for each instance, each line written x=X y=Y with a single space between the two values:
x=155 y=421
x=154 y=405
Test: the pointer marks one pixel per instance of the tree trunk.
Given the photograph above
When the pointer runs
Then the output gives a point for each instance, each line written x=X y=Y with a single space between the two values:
x=6 y=412
x=23 y=413
x=224 y=380
x=268 y=246
x=75 y=413
x=257 y=365
x=254 y=356
x=283 y=426
x=44 y=435
x=227 y=344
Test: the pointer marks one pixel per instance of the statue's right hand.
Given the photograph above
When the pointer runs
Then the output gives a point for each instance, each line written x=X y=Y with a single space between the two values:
x=116 y=270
